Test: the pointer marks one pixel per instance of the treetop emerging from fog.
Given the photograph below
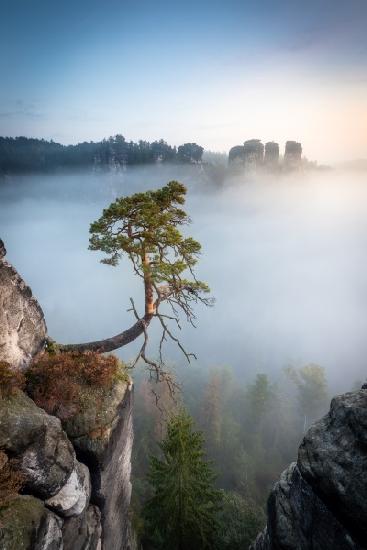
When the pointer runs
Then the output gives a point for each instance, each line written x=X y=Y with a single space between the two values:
x=144 y=226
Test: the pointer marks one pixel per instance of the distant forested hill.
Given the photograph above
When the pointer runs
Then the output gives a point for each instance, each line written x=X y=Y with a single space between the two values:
x=24 y=155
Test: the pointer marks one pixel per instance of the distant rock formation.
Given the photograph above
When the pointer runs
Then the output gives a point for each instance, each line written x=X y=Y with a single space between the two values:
x=236 y=155
x=271 y=158
x=253 y=154
x=251 y=158
x=320 y=502
x=292 y=155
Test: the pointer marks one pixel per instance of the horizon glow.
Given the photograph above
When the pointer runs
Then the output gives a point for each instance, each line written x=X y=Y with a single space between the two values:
x=206 y=72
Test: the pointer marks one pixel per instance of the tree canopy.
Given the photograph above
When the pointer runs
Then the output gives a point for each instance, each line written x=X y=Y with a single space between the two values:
x=24 y=155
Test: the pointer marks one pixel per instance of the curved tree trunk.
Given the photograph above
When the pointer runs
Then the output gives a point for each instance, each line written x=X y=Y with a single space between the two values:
x=115 y=342
x=129 y=335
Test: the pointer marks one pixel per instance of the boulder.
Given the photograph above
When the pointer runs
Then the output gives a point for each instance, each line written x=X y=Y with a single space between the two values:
x=22 y=324
x=73 y=497
x=320 y=502
x=333 y=460
x=83 y=532
x=236 y=155
x=26 y=524
x=299 y=520
x=28 y=433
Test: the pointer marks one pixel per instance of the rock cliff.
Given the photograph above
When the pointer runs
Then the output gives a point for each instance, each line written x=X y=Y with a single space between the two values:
x=76 y=485
x=22 y=325
x=320 y=502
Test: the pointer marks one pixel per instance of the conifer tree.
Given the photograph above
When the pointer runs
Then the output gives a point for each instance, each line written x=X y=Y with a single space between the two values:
x=182 y=514
x=145 y=229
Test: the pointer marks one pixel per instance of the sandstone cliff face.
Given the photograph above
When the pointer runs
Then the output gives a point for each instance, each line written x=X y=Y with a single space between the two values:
x=77 y=489
x=22 y=324
x=107 y=453
x=320 y=502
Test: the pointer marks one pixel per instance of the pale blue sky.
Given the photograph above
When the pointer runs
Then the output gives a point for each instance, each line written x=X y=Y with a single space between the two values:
x=215 y=72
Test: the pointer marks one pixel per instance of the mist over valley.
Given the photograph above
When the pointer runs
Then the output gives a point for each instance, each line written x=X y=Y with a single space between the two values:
x=284 y=257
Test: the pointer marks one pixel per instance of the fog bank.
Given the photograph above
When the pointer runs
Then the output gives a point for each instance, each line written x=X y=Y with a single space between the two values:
x=285 y=258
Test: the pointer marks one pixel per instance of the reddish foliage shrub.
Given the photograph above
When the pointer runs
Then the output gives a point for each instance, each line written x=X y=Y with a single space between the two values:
x=11 y=479
x=56 y=381
x=10 y=380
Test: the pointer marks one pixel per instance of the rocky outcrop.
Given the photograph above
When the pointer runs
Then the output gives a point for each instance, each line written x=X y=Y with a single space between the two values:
x=99 y=435
x=271 y=158
x=47 y=460
x=292 y=155
x=253 y=154
x=236 y=155
x=36 y=439
x=250 y=157
x=84 y=531
x=76 y=484
x=22 y=324
x=320 y=501
x=73 y=497
x=102 y=437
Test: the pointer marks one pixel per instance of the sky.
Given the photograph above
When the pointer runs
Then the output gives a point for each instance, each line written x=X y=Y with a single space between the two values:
x=210 y=71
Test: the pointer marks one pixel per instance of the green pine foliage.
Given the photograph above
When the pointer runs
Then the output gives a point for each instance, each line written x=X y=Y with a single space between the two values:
x=240 y=522
x=147 y=223
x=182 y=514
x=252 y=428
x=145 y=228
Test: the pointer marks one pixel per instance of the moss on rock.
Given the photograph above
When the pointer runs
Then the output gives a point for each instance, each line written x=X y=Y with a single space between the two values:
x=25 y=524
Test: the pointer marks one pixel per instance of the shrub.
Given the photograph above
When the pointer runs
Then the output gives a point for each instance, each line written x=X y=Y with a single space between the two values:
x=57 y=381
x=240 y=522
x=11 y=479
x=10 y=380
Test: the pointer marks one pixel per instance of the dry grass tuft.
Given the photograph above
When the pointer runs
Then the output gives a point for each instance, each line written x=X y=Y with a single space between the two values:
x=10 y=380
x=57 y=381
x=11 y=479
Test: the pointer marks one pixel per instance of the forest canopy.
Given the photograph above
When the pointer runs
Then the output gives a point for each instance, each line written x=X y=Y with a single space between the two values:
x=24 y=155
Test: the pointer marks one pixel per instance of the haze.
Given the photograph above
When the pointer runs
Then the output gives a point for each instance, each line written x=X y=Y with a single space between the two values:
x=285 y=258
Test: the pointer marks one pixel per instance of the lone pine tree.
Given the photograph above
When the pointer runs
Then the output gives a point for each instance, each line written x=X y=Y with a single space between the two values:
x=145 y=228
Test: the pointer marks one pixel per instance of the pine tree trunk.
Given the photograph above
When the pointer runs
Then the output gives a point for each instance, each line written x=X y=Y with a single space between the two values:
x=110 y=344
x=129 y=335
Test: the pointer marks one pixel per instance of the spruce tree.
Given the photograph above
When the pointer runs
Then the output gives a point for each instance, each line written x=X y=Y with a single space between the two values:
x=182 y=513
